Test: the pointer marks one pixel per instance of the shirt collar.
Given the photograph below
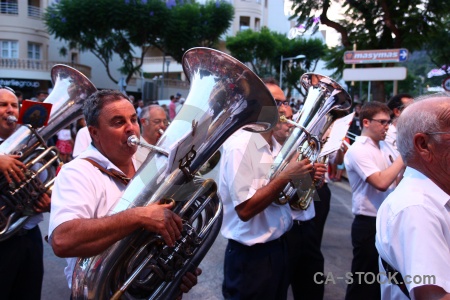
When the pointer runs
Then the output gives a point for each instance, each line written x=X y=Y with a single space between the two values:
x=438 y=194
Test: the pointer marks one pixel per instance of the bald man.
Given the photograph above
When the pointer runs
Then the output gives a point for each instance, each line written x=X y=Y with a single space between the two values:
x=413 y=223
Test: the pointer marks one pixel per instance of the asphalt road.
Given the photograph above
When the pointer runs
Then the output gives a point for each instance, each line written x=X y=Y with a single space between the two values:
x=336 y=248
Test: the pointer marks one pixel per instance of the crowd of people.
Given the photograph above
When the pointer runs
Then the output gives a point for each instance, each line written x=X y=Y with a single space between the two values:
x=397 y=166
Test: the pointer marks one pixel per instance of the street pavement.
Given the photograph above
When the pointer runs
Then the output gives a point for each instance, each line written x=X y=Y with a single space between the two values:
x=336 y=248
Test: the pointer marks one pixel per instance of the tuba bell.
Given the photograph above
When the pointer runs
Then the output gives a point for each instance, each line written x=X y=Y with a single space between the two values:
x=326 y=101
x=224 y=96
x=17 y=200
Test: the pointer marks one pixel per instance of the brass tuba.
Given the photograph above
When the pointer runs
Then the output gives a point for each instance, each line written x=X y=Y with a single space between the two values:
x=17 y=199
x=326 y=101
x=224 y=96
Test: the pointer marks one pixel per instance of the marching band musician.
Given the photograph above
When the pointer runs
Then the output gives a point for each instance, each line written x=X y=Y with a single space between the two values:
x=21 y=256
x=87 y=187
x=256 y=257
x=303 y=241
x=396 y=104
x=372 y=176
x=154 y=123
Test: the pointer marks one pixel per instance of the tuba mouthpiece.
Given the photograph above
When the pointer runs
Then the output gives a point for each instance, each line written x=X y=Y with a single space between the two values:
x=133 y=141
x=11 y=119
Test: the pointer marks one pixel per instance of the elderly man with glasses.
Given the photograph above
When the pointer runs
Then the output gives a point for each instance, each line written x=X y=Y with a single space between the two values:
x=372 y=173
x=413 y=223
x=154 y=123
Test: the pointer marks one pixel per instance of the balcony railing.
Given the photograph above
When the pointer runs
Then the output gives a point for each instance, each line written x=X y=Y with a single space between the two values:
x=39 y=65
x=9 y=8
x=34 y=11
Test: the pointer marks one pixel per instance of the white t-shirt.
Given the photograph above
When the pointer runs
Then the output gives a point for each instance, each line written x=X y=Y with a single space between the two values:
x=413 y=234
x=245 y=165
x=363 y=159
x=83 y=191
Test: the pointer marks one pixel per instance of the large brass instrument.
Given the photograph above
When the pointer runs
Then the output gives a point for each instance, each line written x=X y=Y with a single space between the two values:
x=326 y=101
x=224 y=96
x=17 y=200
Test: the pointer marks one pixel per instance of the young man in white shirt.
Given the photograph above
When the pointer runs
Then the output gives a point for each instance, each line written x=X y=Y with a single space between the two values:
x=372 y=175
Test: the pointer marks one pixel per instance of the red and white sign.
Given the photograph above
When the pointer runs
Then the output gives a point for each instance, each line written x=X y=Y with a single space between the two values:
x=375 y=56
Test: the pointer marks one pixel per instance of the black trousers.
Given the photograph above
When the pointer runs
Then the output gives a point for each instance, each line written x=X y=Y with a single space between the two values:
x=322 y=209
x=365 y=259
x=256 y=272
x=21 y=266
x=305 y=261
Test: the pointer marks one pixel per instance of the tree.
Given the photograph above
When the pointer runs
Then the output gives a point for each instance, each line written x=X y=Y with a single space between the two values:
x=108 y=27
x=380 y=24
x=263 y=51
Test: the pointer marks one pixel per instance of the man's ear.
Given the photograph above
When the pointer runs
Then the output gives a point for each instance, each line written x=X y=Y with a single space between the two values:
x=144 y=121
x=396 y=112
x=93 y=131
x=365 y=122
x=423 y=146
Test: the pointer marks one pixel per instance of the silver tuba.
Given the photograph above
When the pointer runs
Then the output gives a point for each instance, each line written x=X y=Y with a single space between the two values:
x=17 y=199
x=326 y=101
x=224 y=96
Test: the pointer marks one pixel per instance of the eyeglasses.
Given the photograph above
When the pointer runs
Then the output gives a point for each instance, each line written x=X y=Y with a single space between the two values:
x=382 y=122
x=158 y=121
x=7 y=88
x=438 y=132
x=281 y=102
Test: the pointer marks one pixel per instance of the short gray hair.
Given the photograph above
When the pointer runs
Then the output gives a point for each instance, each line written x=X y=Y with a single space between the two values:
x=146 y=110
x=94 y=104
x=417 y=118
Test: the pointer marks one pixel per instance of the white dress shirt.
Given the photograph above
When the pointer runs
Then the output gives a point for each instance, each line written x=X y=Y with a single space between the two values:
x=245 y=165
x=363 y=159
x=82 y=141
x=391 y=141
x=82 y=191
x=413 y=234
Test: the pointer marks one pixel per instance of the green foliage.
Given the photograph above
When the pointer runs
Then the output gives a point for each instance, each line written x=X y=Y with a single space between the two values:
x=263 y=51
x=108 y=27
x=376 y=24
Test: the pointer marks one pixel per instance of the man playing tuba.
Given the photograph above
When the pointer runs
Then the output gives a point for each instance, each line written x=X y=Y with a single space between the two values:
x=87 y=188
x=255 y=265
x=21 y=255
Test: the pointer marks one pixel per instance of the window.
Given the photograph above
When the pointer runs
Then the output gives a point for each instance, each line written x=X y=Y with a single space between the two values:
x=257 y=24
x=9 y=49
x=9 y=7
x=34 y=51
x=244 y=23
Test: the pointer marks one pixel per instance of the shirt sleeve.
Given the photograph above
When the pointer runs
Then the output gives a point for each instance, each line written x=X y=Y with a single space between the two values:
x=362 y=162
x=74 y=194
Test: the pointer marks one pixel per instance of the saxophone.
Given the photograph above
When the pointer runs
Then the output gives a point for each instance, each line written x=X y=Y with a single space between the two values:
x=224 y=96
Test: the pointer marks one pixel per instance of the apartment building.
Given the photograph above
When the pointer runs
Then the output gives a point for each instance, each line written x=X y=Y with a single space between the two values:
x=28 y=52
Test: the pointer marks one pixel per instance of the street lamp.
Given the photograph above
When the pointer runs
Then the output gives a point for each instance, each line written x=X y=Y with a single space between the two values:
x=284 y=59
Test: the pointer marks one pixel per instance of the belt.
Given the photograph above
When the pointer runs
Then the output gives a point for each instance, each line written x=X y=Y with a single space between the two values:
x=275 y=241
x=22 y=232
x=299 y=222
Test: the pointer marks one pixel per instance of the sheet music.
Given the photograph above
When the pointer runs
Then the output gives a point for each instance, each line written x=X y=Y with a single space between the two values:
x=337 y=134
